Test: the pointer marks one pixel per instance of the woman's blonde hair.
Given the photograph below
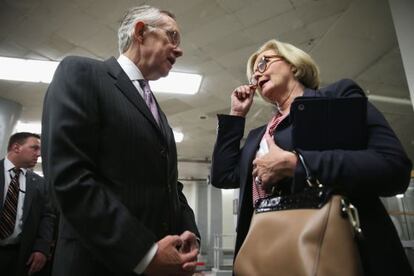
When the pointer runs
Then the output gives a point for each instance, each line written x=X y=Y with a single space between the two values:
x=304 y=69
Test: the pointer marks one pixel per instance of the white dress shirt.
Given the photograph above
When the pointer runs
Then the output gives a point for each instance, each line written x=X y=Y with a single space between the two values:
x=132 y=71
x=8 y=165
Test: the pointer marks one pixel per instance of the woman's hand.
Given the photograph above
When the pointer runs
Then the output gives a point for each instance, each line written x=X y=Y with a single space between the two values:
x=241 y=100
x=274 y=165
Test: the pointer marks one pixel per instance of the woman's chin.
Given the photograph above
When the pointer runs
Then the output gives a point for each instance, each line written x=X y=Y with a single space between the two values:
x=268 y=96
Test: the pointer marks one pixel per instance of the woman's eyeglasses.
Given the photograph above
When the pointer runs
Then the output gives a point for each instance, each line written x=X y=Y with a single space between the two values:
x=173 y=36
x=262 y=66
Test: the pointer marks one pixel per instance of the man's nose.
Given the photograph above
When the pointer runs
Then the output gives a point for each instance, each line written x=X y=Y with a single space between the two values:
x=178 y=52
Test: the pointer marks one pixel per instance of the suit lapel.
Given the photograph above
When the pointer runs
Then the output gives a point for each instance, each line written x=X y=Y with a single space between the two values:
x=31 y=184
x=1 y=183
x=251 y=146
x=127 y=88
x=164 y=126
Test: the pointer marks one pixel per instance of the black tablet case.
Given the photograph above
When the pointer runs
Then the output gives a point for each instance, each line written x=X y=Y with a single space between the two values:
x=321 y=123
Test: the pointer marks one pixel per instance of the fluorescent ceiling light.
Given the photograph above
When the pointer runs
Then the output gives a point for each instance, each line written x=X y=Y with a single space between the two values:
x=17 y=69
x=38 y=172
x=178 y=136
x=179 y=83
x=27 y=70
x=399 y=196
x=33 y=127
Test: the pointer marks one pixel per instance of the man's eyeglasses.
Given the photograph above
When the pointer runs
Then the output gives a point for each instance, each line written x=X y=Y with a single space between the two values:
x=262 y=66
x=173 y=36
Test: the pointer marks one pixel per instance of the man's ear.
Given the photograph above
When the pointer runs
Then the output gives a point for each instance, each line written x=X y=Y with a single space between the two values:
x=139 y=30
x=16 y=148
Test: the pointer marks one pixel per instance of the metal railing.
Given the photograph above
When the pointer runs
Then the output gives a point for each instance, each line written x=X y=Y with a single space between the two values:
x=223 y=255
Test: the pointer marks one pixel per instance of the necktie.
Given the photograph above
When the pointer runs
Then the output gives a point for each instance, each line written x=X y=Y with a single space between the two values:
x=149 y=99
x=9 y=211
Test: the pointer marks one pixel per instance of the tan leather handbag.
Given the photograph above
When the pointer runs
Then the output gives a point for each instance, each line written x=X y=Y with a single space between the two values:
x=307 y=234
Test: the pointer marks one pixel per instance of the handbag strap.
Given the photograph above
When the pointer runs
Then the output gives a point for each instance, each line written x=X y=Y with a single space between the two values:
x=347 y=208
x=310 y=179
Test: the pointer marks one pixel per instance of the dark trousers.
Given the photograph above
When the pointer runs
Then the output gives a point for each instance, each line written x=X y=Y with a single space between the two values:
x=9 y=255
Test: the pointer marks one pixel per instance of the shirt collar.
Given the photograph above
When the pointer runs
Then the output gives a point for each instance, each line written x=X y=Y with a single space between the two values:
x=8 y=165
x=130 y=68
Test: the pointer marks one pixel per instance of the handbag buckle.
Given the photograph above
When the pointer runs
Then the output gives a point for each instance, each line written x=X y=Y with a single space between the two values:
x=314 y=183
x=349 y=210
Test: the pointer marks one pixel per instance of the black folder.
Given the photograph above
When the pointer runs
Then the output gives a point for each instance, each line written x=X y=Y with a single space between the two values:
x=322 y=123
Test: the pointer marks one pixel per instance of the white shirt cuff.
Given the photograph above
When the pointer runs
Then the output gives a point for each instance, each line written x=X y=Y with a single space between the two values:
x=140 y=268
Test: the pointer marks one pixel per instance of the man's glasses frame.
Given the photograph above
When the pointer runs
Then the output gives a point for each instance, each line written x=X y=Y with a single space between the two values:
x=173 y=36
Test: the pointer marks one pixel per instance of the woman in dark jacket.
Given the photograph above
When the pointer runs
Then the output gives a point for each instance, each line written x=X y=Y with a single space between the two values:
x=281 y=72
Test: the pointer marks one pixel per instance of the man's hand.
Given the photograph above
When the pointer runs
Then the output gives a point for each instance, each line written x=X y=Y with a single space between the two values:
x=189 y=240
x=170 y=261
x=190 y=243
x=37 y=261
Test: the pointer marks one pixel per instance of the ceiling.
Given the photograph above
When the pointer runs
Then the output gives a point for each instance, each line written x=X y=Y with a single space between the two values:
x=347 y=38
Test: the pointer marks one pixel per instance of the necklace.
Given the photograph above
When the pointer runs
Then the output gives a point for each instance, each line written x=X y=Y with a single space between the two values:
x=279 y=106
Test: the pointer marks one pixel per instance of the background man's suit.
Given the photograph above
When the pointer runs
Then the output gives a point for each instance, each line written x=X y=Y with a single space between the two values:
x=110 y=162
x=38 y=218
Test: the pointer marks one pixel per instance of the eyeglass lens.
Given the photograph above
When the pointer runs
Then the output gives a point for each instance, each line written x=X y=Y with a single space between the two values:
x=261 y=67
x=173 y=36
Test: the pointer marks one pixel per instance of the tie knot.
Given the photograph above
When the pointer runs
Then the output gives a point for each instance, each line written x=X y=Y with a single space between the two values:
x=16 y=171
x=149 y=99
x=144 y=84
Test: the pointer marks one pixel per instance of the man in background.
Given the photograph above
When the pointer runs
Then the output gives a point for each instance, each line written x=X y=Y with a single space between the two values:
x=26 y=216
x=110 y=156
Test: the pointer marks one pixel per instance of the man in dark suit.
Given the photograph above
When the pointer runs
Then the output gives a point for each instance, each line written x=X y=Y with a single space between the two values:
x=110 y=156
x=26 y=230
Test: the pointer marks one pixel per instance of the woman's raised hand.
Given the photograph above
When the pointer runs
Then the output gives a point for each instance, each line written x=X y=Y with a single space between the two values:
x=241 y=100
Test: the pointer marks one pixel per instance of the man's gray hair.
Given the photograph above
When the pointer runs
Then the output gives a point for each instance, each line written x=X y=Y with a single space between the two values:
x=147 y=14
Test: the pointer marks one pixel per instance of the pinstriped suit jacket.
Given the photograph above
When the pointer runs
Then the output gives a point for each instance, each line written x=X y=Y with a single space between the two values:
x=38 y=218
x=112 y=168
